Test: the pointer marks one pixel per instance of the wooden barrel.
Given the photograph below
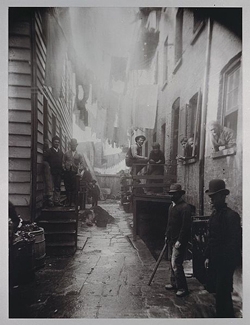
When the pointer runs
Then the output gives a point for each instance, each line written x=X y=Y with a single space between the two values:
x=40 y=252
x=22 y=261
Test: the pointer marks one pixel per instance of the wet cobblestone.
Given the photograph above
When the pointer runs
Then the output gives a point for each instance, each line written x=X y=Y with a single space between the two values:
x=108 y=278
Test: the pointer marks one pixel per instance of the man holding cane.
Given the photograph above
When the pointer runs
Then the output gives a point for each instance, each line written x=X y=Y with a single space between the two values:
x=177 y=234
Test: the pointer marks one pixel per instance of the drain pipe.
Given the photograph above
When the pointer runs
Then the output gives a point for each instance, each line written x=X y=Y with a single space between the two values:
x=204 y=118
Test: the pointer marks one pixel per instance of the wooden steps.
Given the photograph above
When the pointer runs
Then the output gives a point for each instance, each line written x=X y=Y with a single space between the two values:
x=60 y=230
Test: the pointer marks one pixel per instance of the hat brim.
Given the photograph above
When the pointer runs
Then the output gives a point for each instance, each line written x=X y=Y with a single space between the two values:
x=175 y=191
x=225 y=190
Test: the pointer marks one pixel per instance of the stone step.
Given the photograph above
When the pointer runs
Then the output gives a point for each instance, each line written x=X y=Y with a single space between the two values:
x=61 y=249
x=58 y=236
x=58 y=212
x=58 y=225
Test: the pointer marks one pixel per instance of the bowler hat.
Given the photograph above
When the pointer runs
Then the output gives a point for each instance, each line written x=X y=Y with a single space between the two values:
x=73 y=142
x=140 y=136
x=216 y=186
x=176 y=187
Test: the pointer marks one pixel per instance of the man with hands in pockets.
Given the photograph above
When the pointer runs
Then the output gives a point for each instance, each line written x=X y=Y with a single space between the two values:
x=177 y=235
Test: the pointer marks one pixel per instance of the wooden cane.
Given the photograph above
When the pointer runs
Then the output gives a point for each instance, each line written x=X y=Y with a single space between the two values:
x=157 y=263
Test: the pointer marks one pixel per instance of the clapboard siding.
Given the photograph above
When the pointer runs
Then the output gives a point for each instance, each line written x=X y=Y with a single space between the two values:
x=19 y=152
x=17 y=79
x=20 y=28
x=19 y=164
x=18 y=128
x=17 y=54
x=20 y=41
x=19 y=176
x=18 y=200
x=19 y=140
x=19 y=104
x=19 y=116
x=19 y=188
x=19 y=67
x=19 y=92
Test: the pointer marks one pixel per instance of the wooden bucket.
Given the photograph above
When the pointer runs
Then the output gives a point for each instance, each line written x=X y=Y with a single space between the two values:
x=40 y=252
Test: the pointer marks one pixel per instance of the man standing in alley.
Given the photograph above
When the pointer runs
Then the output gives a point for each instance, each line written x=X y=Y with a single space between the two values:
x=223 y=253
x=177 y=235
x=134 y=155
x=73 y=162
x=53 y=159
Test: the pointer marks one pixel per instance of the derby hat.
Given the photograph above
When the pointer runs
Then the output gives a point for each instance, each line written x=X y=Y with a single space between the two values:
x=176 y=187
x=73 y=141
x=140 y=136
x=216 y=186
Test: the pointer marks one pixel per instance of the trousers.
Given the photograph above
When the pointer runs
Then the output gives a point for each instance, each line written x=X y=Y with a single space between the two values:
x=177 y=276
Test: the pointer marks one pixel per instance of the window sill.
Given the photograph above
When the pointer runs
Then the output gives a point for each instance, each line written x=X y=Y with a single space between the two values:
x=177 y=66
x=164 y=85
x=189 y=161
x=197 y=32
x=224 y=153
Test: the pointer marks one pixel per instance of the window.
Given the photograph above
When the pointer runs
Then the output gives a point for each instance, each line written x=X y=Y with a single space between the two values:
x=146 y=148
x=198 y=24
x=45 y=119
x=178 y=35
x=53 y=125
x=198 y=19
x=175 y=128
x=165 y=62
x=232 y=96
x=154 y=137
x=163 y=135
x=193 y=123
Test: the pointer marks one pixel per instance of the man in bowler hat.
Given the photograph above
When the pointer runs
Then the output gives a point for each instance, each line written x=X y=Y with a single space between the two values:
x=177 y=235
x=223 y=253
x=134 y=155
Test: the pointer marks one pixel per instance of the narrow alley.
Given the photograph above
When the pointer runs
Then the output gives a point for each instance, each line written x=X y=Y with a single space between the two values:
x=108 y=278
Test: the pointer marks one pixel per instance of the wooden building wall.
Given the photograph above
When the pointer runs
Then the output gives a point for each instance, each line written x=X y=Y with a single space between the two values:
x=20 y=78
x=34 y=113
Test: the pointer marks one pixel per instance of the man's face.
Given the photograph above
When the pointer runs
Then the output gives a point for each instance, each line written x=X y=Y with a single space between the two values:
x=56 y=144
x=184 y=143
x=73 y=146
x=214 y=130
x=175 y=196
x=156 y=150
x=217 y=200
x=140 y=141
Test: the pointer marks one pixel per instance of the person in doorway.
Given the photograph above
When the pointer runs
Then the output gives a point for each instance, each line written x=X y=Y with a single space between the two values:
x=223 y=253
x=134 y=155
x=54 y=159
x=94 y=192
x=177 y=235
x=156 y=165
x=73 y=163
x=221 y=136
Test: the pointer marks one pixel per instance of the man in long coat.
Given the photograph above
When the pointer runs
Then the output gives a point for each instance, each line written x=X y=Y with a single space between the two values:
x=223 y=252
x=177 y=234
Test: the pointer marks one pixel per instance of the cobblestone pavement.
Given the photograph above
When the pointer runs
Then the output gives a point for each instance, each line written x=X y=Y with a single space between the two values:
x=108 y=278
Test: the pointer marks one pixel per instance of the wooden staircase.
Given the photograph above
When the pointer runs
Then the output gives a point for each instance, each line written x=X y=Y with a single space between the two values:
x=60 y=230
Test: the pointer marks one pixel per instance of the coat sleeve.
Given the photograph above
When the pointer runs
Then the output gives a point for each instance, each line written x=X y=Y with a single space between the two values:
x=186 y=225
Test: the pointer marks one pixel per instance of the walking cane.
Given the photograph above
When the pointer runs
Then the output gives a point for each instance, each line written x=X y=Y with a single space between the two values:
x=157 y=263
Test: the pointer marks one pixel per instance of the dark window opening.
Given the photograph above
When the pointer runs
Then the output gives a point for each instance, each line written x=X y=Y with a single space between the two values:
x=198 y=19
x=178 y=35
x=165 y=66
x=53 y=125
x=163 y=136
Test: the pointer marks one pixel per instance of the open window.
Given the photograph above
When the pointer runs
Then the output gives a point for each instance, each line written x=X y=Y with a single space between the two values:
x=178 y=39
x=230 y=102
